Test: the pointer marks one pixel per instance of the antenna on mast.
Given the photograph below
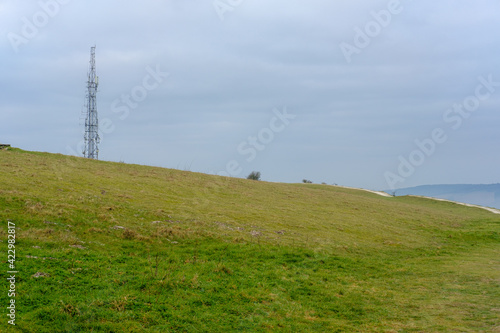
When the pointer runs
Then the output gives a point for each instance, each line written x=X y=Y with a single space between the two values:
x=92 y=140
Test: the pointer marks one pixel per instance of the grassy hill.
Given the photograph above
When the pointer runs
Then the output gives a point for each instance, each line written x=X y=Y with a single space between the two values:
x=111 y=247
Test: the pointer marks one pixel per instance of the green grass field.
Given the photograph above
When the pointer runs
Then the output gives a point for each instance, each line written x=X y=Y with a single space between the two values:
x=111 y=247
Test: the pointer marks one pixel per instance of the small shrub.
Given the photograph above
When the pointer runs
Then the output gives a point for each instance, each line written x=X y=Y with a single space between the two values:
x=306 y=181
x=254 y=175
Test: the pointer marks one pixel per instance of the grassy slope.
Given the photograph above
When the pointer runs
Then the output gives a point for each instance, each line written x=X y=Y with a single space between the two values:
x=206 y=253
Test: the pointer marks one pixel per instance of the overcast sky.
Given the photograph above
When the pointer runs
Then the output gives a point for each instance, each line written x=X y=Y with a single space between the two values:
x=372 y=94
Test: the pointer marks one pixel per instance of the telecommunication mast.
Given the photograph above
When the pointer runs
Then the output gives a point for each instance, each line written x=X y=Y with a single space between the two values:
x=91 y=149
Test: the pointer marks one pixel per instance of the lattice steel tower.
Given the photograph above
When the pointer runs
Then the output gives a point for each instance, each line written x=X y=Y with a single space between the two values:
x=91 y=149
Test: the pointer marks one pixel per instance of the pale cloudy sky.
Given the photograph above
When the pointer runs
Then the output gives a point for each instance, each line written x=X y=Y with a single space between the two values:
x=372 y=94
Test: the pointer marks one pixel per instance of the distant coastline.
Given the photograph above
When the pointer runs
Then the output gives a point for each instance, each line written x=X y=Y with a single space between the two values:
x=487 y=195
